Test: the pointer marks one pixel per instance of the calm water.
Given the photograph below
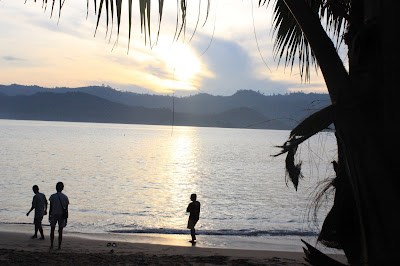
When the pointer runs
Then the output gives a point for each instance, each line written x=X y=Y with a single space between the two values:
x=138 y=178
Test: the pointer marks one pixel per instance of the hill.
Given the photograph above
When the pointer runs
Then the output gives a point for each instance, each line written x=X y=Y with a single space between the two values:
x=281 y=111
x=83 y=107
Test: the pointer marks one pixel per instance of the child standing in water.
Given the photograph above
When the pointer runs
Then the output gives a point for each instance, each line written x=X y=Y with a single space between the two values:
x=194 y=209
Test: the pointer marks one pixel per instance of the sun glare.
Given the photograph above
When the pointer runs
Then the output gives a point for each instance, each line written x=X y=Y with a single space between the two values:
x=181 y=63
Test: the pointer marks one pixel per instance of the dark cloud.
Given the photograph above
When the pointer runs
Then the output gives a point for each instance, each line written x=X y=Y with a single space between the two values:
x=233 y=69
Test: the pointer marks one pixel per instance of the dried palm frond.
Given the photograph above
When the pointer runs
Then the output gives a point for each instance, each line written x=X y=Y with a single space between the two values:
x=307 y=128
x=321 y=194
x=293 y=169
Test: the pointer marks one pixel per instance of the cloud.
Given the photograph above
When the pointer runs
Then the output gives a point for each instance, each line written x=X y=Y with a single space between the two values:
x=233 y=69
x=157 y=71
x=12 y=58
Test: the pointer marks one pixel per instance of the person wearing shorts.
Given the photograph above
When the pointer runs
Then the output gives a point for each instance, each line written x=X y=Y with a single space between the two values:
x=194 y=210
x=58 y=202
x=39 y=204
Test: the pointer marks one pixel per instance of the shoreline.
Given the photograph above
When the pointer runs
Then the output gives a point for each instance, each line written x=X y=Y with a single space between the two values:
x=290 y=243
x=16 y=247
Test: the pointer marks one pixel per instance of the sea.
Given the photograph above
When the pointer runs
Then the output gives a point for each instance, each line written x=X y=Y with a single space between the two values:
x=136 y=180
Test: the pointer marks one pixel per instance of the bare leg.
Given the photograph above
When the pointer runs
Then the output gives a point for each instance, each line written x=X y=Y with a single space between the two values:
x=41 y=231
x=193 y=234
x=52 y=236
x=60 y=232
x=36 y=230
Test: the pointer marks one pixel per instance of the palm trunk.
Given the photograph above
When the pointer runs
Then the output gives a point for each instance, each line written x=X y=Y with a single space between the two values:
x=361 y=128
x=359 y=118
x=338 y=83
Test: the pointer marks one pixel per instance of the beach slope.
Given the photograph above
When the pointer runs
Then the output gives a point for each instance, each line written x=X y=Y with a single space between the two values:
x=19 y=249
x=16 y=248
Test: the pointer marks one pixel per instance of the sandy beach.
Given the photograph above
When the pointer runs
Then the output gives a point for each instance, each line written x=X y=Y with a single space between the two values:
x=17 y=248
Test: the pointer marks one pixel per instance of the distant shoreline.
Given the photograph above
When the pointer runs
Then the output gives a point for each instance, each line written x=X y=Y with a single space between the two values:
x=244 y=109
x=117 y=123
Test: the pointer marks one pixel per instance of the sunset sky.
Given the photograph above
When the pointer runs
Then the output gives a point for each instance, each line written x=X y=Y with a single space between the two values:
x=50 y=52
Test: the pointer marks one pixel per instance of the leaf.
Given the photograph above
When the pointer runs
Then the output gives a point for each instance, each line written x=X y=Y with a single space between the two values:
x=307 y=128
x=145 y=15
x=130 y=22
x=290 y=41
x=98 y=16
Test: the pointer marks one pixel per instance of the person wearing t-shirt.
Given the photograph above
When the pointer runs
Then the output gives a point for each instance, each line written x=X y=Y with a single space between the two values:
x=194 y=210
x=58 y=202
x=39 y=204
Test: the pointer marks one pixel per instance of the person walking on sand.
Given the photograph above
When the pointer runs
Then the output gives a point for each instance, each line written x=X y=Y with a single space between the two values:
x=58 y=213
x=194 y=210
x=39 y=203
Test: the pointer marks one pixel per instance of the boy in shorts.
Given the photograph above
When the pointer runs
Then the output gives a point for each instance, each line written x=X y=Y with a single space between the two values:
x=39 y=204
x=194 y=209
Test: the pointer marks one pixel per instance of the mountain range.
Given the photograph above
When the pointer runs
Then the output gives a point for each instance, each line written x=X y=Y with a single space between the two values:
x=244 y=109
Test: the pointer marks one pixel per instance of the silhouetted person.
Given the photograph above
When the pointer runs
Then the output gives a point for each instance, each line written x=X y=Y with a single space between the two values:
x=39 y=203
x=194 y=209
x=58 y=203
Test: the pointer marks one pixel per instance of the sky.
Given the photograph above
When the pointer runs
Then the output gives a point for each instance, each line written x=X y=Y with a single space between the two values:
x=232 y=51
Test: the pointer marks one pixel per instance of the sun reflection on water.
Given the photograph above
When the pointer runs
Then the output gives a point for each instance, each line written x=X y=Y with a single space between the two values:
x=181 y=173
x=167 y=174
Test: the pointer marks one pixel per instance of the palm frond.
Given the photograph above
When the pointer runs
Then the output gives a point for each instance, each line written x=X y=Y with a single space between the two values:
x=336 y=13
x=144 y=10
x=291 y=43
x=307 y=128
x=145 y=16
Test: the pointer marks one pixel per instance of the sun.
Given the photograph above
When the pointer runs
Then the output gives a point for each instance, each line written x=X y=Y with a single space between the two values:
x=181 y=62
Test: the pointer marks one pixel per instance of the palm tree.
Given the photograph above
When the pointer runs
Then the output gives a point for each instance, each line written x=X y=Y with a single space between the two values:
x=362 y=220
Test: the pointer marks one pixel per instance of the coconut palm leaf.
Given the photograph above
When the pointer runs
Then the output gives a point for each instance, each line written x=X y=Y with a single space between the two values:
x=145 y=16
x=307 y=128
x=144 y=10
x=290 y=41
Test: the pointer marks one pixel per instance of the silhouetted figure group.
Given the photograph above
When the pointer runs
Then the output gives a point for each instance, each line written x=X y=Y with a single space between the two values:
x=58 y=212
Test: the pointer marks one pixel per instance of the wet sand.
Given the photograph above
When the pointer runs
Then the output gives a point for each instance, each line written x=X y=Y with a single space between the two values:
x=17 y=248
